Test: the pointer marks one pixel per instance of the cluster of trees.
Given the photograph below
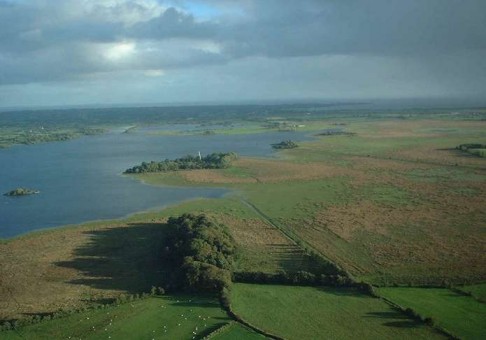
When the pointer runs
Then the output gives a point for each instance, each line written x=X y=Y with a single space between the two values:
x=476 y=149
x=212 y=161
x=465 y=147
x=286 y=144
x=201 y=252
x=336 y=133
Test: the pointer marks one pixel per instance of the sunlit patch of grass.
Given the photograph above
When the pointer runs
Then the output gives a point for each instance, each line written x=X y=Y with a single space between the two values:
x=174 y=317
x=321 y=313
x=459 y=314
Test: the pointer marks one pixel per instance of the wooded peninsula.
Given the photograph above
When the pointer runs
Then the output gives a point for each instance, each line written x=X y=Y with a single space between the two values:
x=189 y=162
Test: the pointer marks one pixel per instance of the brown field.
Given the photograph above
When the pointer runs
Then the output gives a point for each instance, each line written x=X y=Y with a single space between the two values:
x=263 y=247
x=266 y=171
x=73 y=267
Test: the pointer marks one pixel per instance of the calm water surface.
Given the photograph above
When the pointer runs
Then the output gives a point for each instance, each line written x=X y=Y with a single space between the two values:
x=80 y=180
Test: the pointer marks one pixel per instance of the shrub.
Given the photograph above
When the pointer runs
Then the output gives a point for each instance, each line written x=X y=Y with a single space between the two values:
x=225 y=297
x=429 y=321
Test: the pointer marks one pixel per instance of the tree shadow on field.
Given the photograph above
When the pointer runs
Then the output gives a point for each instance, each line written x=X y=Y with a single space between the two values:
x=395 y=319
x=341 y=291
x=121 y=258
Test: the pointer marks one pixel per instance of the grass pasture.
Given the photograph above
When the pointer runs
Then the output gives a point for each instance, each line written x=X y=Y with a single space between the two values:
x=461 y=315
x=315 y=313
x=167 y=317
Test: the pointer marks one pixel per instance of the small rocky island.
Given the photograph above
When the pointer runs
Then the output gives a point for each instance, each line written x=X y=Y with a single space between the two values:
x=21 y=192
x=286 y=144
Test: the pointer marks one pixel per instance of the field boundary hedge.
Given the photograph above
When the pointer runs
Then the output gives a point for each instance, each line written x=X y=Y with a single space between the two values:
x=300 y=278
x=410 y=312
x=219 y=330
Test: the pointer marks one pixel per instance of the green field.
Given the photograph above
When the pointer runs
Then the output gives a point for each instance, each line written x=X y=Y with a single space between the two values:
x=461 y=315
x=174 y=317
x=318 y=313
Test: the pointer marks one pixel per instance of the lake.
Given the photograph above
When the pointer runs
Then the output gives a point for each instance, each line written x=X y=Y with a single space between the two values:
x=81 y=180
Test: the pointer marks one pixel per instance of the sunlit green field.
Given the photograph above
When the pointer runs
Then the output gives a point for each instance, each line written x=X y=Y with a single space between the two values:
x=323 y=313
x=174 y=317
x=461 y=315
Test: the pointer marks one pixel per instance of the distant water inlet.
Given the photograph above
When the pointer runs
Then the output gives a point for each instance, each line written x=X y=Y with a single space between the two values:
x=80 y=180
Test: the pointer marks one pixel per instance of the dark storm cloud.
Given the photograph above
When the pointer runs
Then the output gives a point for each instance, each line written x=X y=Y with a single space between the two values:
x=284 y=28
x=47 y=40
x=174 y=24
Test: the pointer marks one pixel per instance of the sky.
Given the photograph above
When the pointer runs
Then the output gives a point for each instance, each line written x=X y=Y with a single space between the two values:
x=90 y=52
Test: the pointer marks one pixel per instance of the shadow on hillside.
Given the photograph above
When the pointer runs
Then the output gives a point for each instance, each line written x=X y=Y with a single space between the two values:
x=394 y=319
x=121 y=258
x=288 y=257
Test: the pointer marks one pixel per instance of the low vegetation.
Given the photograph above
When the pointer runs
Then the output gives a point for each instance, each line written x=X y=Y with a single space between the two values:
x=35 y=135
x=212 y=161
x=475 y=149
x=286 y=144
x=335 y=133
x=21 y=192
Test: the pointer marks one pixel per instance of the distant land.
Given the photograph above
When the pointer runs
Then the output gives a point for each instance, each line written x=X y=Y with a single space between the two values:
x=384 y=103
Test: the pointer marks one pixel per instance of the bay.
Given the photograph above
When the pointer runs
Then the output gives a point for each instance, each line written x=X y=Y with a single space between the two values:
x=81 y=180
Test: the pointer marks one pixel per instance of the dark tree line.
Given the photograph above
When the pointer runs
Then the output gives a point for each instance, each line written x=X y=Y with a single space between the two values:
x=211 y=161
x=301 y=278
x=466 y=147
x=201 y=252
x=475 y=149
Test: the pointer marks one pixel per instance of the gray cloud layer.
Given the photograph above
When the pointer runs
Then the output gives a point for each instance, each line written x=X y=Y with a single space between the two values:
x=52 y=41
